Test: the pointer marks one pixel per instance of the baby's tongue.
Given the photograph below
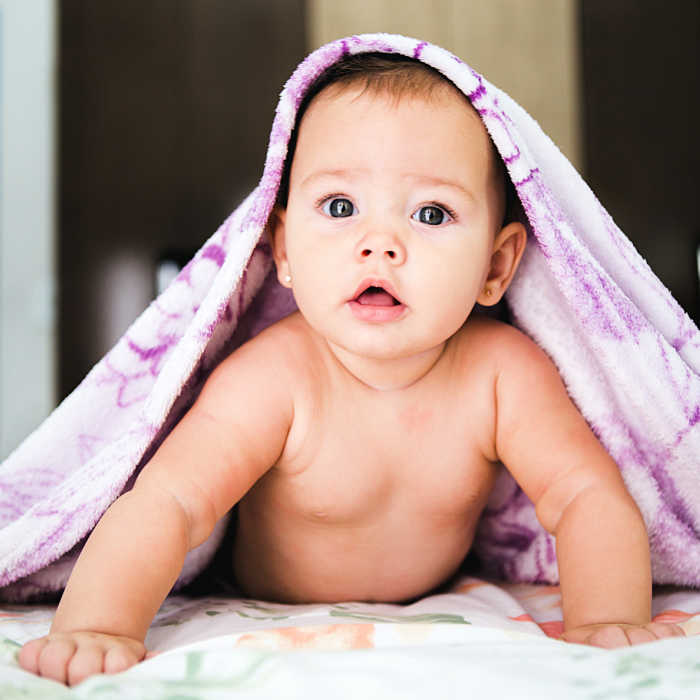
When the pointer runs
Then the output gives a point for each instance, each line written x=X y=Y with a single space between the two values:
x=376 y=297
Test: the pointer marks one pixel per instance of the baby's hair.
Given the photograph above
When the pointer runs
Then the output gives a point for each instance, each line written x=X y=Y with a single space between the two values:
x=395 y=76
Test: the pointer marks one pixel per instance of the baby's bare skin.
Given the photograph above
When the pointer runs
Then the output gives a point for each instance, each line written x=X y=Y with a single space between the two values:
x=376 y=494
x=361 y=442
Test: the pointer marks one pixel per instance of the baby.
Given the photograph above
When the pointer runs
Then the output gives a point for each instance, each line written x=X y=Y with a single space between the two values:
x=361 y=435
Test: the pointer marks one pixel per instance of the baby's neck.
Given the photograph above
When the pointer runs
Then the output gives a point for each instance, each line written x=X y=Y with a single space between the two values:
x=390 y=374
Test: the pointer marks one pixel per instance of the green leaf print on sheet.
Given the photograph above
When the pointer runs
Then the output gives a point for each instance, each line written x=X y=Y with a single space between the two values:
x=425 y=618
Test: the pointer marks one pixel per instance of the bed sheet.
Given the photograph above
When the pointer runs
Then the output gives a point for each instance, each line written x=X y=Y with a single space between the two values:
x=484 y=638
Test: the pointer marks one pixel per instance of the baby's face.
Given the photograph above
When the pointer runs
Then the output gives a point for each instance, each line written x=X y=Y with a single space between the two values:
x=393 y=195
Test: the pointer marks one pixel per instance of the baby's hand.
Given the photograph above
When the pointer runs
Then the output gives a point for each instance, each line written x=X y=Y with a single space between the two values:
x=71 y=657
x=611 y=636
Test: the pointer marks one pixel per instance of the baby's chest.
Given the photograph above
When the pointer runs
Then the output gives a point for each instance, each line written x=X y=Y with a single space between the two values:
x=414 y=461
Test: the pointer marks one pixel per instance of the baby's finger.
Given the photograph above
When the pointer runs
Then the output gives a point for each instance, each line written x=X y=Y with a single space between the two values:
x=119 y=658
x=54 y=658
x=86 y=661
x=29 y=654
x=663 y=630
x=609 y=637
x=640 y=635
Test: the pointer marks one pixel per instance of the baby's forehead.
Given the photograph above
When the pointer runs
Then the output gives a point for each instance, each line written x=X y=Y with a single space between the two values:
x=394 y=79
x=435 y=93
x=442 y=95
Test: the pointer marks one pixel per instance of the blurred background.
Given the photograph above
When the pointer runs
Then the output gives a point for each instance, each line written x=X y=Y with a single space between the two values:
x=131 y=128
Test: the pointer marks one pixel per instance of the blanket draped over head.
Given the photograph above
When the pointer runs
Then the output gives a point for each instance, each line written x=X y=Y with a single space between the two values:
x=628 y=354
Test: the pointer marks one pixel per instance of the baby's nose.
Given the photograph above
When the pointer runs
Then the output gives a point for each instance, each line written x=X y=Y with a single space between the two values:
x=387 y=247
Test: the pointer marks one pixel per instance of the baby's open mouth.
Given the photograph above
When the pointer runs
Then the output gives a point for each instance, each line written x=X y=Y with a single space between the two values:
x=377 y=296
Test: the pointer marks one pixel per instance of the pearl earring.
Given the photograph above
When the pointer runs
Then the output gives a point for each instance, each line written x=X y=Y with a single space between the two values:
x=287 y=278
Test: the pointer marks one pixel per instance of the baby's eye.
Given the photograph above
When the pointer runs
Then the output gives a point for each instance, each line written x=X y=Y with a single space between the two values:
x=338 y=207
x=431 y=214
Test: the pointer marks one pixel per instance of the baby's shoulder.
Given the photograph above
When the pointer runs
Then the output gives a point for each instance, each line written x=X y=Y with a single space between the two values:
x=267 y=369
x=508 y=354
x=282 y=350
x=489 y=349
x=490 y=338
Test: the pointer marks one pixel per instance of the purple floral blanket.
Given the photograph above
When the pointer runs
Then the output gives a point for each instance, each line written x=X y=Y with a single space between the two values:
x=628 y=354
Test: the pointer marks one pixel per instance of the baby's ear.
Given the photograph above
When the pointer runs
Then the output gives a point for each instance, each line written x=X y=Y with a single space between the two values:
x=276 y=231
x=508 y=249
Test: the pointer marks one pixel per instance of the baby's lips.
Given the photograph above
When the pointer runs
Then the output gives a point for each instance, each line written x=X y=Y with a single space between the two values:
x=375 y=282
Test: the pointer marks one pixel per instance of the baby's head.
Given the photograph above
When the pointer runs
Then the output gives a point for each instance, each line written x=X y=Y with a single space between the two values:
x=394 y=77
x=393 y=215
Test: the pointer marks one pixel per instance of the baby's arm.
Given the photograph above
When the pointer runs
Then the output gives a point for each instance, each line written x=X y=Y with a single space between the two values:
x=580 y=497
x=235 y=431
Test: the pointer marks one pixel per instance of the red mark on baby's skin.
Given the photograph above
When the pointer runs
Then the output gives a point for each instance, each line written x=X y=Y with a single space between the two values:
x=415 y=417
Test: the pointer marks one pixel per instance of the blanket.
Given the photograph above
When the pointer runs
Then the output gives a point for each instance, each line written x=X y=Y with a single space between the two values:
x=628 y=354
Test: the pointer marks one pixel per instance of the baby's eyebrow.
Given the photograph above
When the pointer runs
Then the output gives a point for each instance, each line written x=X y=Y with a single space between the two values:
x=440 y=182
x=354 y=173
x=345 y=173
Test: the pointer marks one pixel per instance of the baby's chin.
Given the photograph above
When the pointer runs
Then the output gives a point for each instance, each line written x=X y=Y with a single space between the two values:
x=392 y=341
x=387 y=354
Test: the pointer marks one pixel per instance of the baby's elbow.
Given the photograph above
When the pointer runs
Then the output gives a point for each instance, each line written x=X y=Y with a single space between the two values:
x=188 y=505
x=582 y=499
x=559 y=496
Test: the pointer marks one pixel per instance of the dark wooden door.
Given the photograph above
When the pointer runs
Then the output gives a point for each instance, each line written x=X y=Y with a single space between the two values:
x=164 y=112
x=641 y=78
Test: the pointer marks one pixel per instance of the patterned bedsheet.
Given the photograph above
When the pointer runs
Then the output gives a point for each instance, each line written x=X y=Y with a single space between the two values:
x=478 y=639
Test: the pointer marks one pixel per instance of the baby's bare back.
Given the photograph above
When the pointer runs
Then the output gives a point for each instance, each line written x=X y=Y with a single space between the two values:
x=376 y=494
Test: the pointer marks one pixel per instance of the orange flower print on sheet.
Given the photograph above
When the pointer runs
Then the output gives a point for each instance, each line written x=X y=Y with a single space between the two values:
x=543 y=598
x=525 y=617
x=468 y=586
x=6 y=616
x=672 y=616
x=532 y=590
x=327 y=637
x=554 y=628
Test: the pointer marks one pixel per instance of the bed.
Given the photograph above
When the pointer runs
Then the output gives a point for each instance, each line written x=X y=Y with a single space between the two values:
x=476 y=638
